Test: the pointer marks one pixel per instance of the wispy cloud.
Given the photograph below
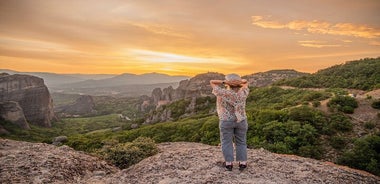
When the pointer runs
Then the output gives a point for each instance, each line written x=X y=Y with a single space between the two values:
x=375 y=43
x=319 y=27
x=317 y=44
x=159 y=29
x=165 y=57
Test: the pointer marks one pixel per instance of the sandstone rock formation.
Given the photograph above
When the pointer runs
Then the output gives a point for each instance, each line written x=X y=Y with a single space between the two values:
x=199 y=86
x=269 y=77
x=31 y=94
x=179 y=162
x=190 y=89
x=82 y=106
x=11 y=111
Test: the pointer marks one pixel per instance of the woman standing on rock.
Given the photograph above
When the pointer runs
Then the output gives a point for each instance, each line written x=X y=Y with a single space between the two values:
x=230 y=105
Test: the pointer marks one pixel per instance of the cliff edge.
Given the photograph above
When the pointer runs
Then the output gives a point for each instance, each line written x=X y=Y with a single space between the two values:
x=178 y=162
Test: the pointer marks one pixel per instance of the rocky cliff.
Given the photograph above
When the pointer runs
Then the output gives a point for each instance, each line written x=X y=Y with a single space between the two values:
x=189 y=90
x=269 y=77
x=199 y=86
x=82 y=106
x=179 y=162
x=31 y=94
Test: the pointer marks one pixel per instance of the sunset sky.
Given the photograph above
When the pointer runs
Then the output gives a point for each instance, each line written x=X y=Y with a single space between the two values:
x=185 y=37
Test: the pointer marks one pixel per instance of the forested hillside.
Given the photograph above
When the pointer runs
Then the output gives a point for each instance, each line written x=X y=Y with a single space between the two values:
x=361 y=74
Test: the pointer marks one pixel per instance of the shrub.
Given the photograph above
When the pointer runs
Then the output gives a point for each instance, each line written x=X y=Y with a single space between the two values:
x=365 y=155
x=376 y=104
x=279 y=147
x=309 y=115
x=311 y=151
x=369 y=125
x=126 y=154
x=339 y=123
x=178 y=108
x=210 y=132
x=338 y=142
x=316 y=103
x=344 y=104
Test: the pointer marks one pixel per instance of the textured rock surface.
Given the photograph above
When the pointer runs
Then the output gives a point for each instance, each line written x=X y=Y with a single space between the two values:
x=267 y=78
x=11 y=111
x=197 y=86
x=23 y=162
x=180 y=162
x=32 y=95
x=199 y=163
x=82 y=106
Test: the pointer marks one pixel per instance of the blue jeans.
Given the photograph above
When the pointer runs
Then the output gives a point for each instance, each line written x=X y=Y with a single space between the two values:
x=230 y=130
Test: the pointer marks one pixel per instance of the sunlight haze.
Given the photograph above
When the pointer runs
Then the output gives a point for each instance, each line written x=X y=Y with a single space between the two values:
x=185 y=37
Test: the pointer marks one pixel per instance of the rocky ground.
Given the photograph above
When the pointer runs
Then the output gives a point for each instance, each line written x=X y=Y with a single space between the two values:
x=179 y=162
x=24 y=162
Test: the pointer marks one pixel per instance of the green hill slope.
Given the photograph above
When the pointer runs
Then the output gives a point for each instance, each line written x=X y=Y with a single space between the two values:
x=361 y=74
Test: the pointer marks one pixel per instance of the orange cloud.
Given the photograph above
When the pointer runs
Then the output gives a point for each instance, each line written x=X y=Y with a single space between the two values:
x=159 y=29
x=317 y=44
x=375 y=43
x=320 y=27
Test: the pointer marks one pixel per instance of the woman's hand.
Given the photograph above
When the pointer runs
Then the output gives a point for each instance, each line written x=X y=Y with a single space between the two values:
x=236 y=82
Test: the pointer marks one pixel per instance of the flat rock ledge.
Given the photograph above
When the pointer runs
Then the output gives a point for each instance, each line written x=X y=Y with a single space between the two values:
x=25 y=162
x=178 y=162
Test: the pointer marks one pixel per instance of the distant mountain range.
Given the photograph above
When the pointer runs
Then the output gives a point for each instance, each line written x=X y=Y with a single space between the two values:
x=104 y=84
x=127 y=79
x=54 y=80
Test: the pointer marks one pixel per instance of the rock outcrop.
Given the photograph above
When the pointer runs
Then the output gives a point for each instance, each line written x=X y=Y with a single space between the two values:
x=23 y=162
x=12 y=112
x=199 y=86
x=267 y=78
x=179 y=162
x=82 y=106
x=31 y=94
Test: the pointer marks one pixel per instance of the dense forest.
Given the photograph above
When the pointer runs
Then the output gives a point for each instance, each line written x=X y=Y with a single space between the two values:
x=362 y=74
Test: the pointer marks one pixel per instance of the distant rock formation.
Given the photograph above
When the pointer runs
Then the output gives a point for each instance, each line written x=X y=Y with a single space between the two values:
x=31 y=94
x=179 y=162
x=190 y=89
x=82 y=106
x=199 y=86
x=12 y=112
x=269 y=77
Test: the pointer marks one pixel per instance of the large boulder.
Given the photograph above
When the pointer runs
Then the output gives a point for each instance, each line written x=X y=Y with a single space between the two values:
x=31 y=94
x=11 y=111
